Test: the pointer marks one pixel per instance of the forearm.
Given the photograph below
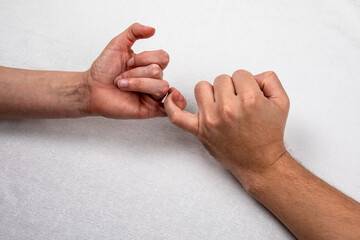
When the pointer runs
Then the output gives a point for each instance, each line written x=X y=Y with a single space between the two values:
x=308 y=206
x=42 y=94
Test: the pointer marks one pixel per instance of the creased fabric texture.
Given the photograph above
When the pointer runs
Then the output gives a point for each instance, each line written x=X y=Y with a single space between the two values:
x=97 y=178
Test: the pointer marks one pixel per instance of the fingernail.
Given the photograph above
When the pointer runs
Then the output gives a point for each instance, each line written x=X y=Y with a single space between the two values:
x=116 y=80
x=131 y=62
x=180 y=97
x=176 y=95
x=122 y=83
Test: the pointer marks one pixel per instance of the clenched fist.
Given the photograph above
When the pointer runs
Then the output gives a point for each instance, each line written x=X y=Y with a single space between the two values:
x=241 y=120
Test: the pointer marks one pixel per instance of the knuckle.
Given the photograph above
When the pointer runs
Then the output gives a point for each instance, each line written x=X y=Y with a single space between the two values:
x=164 y=88
x=130 y=30
x=210 y=121
x=136 y=24
x=227 y=111
x=222 y=77
x=157 y=96
x=270 y=75
x=241 y=72
x=249 y=99
x=200 y=85
x=155 y=70
x=174 y=118
x=128 y=74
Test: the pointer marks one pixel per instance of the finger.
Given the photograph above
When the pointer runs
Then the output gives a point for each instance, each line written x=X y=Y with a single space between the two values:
x=155 y=87
x=159 y=57
x=245 y=83
x=134 y=32
x=271 y=86
x=204 y=95
x=178 y=99
x=179 y=117
x=223 y=88
x=150 y=71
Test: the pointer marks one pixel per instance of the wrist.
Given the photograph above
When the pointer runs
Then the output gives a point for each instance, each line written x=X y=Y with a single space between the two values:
x=255 y=182
x=85 y=93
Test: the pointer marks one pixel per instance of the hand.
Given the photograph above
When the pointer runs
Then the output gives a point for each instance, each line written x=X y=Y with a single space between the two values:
x=241 y=120
x=120 y=82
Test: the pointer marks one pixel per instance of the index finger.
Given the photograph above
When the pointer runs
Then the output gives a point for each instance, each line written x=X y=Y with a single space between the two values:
x=271 y=86
x=134 y=32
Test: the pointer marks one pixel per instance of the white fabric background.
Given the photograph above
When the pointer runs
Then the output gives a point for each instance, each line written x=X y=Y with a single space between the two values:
x=96 y=178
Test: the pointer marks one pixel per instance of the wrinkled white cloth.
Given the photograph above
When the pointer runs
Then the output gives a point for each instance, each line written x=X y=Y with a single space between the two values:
x=97 y=178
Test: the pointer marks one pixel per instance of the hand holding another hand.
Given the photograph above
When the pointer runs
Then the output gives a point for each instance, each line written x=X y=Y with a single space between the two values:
x=241 y=119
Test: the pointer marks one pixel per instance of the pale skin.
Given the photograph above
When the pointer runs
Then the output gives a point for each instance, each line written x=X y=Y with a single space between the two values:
x=241 y=122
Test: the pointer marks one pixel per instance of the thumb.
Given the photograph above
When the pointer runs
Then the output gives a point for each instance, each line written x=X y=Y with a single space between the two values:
x=183 y=119
x=135 y=32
